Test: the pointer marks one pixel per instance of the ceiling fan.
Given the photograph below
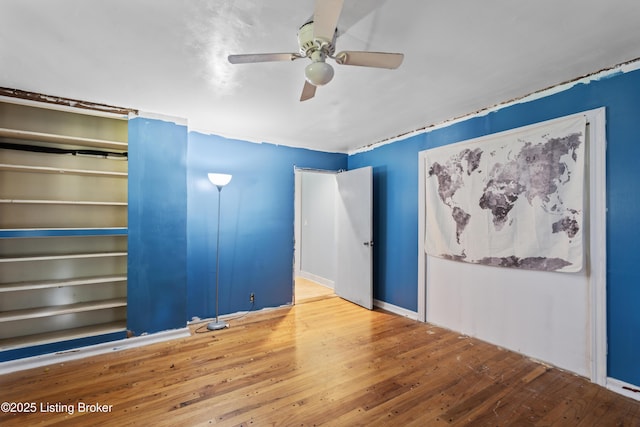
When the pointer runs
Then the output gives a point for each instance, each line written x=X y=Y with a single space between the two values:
x=316 y=40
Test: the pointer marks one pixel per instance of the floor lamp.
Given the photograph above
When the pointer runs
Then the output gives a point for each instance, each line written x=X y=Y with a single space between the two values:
x=219 y=180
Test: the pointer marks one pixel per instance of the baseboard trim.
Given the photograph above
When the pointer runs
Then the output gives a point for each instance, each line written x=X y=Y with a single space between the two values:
x=92 y=350
x=318 y=279
x=395 y=309
x=623 y=388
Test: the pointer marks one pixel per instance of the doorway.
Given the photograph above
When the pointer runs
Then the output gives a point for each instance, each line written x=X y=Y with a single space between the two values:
x=315 y=234
x=333 y=228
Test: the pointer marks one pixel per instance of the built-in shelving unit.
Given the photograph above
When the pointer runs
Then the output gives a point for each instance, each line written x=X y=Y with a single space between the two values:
x=63 y=225
x=62 y=139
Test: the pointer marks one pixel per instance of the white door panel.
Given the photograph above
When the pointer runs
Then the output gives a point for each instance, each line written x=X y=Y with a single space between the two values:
x=354 y=222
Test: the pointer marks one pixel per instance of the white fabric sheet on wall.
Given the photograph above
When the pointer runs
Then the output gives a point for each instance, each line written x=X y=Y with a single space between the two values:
x=513 y=199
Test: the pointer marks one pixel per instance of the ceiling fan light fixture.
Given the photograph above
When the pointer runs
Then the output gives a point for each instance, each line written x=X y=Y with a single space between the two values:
x=317 y=42
x=318 y=73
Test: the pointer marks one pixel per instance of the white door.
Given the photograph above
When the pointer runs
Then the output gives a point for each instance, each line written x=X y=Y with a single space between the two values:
x=354 y=219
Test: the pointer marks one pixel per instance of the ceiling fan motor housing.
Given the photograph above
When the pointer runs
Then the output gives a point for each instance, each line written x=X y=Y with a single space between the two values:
x=308 y=44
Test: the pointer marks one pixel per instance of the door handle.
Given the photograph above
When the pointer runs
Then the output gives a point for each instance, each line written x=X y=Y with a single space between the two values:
x=368 y=243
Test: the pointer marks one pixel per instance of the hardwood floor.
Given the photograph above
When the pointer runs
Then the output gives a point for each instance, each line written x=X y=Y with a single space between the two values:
x=307 y=290
x=324 y=362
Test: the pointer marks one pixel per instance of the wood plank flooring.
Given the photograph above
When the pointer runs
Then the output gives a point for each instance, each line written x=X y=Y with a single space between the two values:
x=307 y=290
x=324 y=362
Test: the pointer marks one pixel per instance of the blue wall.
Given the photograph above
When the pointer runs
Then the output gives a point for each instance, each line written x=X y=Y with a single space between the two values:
x=396 y=202
x=256 y=226
x=157 y=242
x=172 y=212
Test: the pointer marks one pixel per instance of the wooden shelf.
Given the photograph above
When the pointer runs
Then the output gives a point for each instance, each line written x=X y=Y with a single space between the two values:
x=54 y=170
x=62 y=139
x=63 y=335
x=62 y=256
x=61 y=202
x=48 y=284
x=56 y=310
x=12 y=233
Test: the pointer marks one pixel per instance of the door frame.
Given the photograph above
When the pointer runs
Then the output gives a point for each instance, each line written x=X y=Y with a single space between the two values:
x=596 y=161
x=368 y=301
x=297 y=224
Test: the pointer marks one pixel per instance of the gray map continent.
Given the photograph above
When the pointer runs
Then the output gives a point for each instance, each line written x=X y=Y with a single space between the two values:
x=451 y=178
x=536 y=171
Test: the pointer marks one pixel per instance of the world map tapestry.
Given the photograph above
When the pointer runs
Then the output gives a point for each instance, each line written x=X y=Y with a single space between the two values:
x=514 y=199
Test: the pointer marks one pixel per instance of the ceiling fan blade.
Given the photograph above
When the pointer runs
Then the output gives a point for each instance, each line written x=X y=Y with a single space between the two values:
x=308 y=91
x=325 y=18
x=262 y=57
x=370 y=59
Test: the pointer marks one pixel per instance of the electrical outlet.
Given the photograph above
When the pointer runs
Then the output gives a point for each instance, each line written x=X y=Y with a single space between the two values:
x=252 y=297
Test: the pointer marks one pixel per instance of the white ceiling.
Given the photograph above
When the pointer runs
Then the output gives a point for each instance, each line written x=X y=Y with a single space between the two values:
x=169 y=57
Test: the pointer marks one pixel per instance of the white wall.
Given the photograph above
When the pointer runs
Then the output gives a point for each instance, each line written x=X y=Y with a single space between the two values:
x=541 y=314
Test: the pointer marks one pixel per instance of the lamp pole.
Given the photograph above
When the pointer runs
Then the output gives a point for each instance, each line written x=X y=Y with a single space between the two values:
x=219 y=180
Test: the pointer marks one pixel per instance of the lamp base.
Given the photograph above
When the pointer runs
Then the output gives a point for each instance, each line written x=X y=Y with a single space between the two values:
x=217 y=325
